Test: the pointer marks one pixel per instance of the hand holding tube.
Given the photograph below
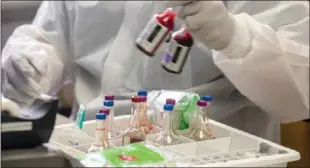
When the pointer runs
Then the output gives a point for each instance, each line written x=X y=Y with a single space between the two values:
x=209 y=21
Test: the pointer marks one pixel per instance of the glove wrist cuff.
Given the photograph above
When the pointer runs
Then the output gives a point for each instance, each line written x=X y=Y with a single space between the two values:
x=219 y=35
x=240 y=41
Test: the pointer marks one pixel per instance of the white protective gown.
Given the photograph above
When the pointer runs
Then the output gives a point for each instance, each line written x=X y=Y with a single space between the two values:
x=254 y=92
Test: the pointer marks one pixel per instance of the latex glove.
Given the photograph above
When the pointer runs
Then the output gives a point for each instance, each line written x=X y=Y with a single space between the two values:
x=29 y=66
x=19 y=81
x=209 y=21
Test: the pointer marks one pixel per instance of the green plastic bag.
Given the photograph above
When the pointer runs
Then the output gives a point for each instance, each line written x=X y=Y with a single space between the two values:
x=129 y=155
x=133 y=154
x=185 y=108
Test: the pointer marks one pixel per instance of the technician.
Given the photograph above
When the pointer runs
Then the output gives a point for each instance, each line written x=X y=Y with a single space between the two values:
x=252 y=56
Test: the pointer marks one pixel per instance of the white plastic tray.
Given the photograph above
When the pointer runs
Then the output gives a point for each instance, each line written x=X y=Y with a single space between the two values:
x=231 y=147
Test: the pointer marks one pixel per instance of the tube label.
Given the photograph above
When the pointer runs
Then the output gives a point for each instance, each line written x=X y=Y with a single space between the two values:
x=152 y=35
x=100 y=134
x=175 y=56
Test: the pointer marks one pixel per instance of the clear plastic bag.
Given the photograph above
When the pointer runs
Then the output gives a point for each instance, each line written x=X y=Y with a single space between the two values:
x=184 y=107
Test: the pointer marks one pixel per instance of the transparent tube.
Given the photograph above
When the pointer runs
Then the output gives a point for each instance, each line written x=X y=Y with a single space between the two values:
x=110 y=132
x=145 y=122
x=167 y=135
x=101 y=137
x=108 y=104
x=110 y=119
x=201 y=129
x=135 y=132
x=160 y=115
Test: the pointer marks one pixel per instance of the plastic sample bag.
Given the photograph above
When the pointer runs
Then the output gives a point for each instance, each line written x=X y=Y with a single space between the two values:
x=131 y=155
x=184 y=108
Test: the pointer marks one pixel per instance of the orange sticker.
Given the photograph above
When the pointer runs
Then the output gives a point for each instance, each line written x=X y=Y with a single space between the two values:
x=127 y=158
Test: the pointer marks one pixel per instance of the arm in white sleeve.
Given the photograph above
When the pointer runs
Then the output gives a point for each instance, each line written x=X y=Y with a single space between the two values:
x=34 y=56
x=54 y=18
x=268 y=58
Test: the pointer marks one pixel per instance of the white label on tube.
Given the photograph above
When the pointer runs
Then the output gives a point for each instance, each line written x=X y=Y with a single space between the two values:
x=16 y=126
x=100 y=132
x=175 y=56
x=151 y=35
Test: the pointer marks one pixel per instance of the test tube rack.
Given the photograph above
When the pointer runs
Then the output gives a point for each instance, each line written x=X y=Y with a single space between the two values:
x=230 y=148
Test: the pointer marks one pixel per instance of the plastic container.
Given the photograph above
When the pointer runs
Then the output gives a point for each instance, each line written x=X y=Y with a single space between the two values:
x=155 y=32
x=231 y=147
x=179 y=47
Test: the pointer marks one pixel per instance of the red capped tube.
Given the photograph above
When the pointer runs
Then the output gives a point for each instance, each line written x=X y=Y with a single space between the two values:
x=135 y=99
x=179 y=47
x=170 y=101
x=143 y=99
x=157 y=30
x=109 y=97
x=104 y=111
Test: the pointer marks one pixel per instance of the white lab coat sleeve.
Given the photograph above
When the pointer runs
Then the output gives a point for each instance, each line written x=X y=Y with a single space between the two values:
x=54 y=17
x=43 y=41
x=267 y=59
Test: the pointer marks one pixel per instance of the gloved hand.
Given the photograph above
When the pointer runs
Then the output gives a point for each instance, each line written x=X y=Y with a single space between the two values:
x=29 y=66
x=209 y=21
